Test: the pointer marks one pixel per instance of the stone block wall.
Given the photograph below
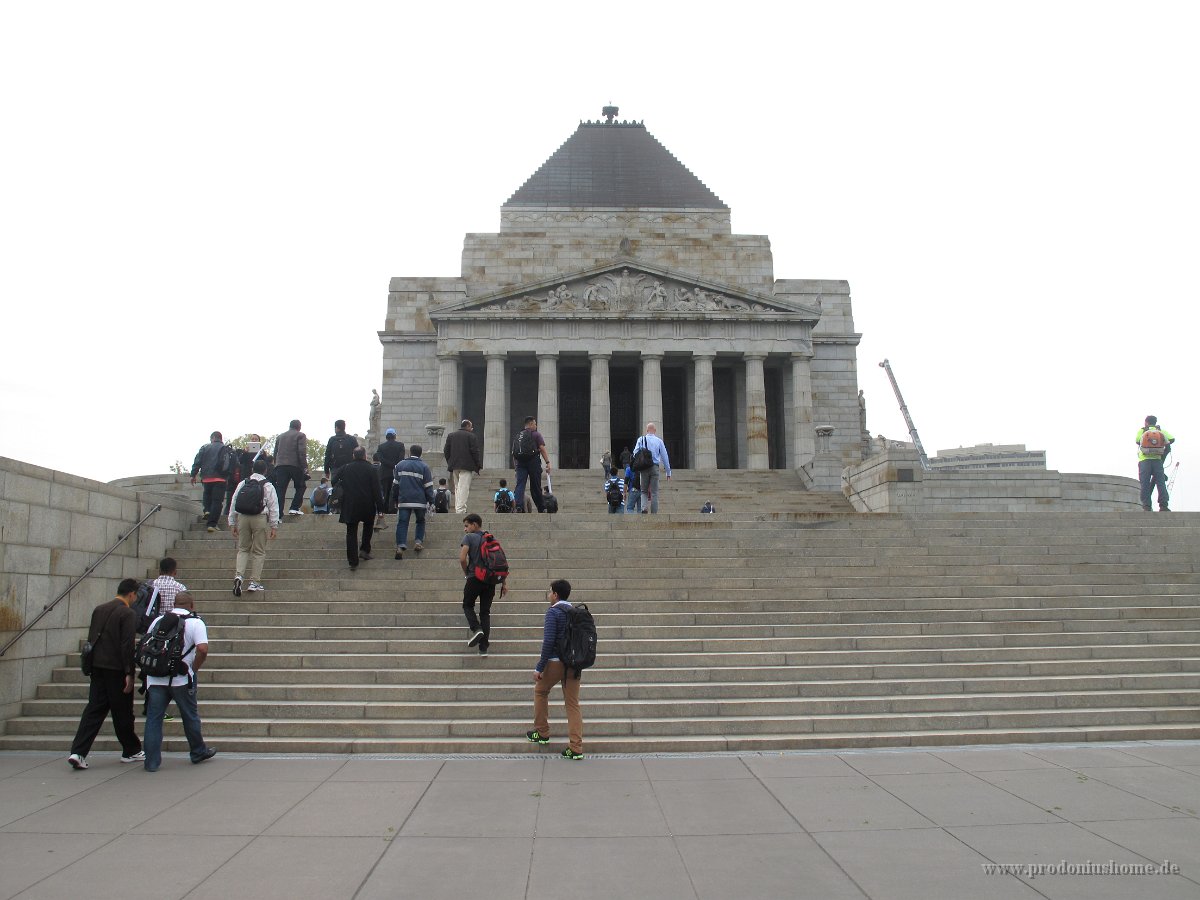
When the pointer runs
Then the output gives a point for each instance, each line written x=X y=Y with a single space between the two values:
x=52 y=527
x=535 y=245
x=893 y=481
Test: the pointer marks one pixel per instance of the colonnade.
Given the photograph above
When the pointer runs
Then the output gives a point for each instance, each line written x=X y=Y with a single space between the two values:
x=704 y=443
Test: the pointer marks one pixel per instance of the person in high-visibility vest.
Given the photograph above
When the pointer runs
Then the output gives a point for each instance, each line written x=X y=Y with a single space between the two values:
x=1154 y=444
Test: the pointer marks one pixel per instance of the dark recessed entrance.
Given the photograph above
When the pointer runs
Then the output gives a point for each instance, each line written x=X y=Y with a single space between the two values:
x=574 y=417
x=624 y=396
x=673 y=428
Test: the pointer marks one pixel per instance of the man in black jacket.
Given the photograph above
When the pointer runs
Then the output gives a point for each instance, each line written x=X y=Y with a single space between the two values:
x=338 y=450
x=361 y=500
x=391 y=451
x=464 y=459
x=111 y=635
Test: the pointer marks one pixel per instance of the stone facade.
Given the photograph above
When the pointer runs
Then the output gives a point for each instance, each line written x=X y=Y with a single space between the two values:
x=598 y=318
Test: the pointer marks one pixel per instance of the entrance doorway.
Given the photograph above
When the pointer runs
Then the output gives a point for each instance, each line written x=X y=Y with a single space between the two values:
x=574 y=417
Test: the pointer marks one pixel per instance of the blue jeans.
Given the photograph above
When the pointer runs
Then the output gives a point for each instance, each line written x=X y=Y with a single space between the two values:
x=402 y=515
x=616 y=507
x=157 y=698
x=530 y=470
x=1151 y=474
x=633 y=500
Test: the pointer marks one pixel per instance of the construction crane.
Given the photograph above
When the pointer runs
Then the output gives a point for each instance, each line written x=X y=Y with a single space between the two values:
x=912 y=429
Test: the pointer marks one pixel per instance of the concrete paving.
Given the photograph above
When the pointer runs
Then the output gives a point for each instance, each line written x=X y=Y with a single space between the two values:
x=921 y=823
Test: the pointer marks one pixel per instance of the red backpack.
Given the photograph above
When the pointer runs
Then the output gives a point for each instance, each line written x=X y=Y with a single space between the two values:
x=492 y=567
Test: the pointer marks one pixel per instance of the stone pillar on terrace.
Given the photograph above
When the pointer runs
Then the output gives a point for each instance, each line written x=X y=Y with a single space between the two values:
x=495 y=432
x=547 y=404
x=756 y=413
x=706 y=414
x=803 y=447
x=600 y=430
x=448 y=391
x=652 y=391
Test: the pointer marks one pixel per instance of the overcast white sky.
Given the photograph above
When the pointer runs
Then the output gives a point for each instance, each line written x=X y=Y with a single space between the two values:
x=201 y=205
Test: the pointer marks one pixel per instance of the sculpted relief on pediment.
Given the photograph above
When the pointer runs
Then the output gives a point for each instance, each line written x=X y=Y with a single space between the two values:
x=627 y=291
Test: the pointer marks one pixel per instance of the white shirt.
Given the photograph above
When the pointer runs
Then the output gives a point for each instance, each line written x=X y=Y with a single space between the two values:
x=195 y=632
x=270 y=509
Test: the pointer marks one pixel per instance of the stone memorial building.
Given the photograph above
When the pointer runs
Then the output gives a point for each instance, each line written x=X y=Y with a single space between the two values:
x=614 y=294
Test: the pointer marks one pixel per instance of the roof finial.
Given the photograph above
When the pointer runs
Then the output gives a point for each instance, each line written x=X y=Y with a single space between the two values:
x=610 y=112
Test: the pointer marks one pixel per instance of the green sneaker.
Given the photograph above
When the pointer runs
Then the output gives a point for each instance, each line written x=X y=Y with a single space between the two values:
x=536 y=737
x=571 y=754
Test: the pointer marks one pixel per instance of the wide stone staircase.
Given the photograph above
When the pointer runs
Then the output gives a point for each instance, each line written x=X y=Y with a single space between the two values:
x=785 y=621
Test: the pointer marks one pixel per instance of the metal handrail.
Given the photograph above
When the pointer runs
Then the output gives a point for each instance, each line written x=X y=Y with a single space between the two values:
x=78 y=581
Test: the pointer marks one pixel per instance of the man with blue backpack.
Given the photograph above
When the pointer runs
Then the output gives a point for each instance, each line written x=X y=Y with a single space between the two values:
x=568 y=647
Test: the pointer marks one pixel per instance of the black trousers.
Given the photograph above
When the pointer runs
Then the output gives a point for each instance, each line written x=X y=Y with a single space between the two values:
x=474 y=590
x=281 y=477
x=213 y=500
x=353 y=546
x=107 y=695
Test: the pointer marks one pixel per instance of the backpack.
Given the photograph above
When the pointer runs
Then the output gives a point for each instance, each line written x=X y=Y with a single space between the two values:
x=162 y=650
x=251 y=497
x=524 y=446
x=504 y=501
x=320 y=496
x=576 y=646
x=441 y=500
x=643 y=459
x=144 y=606
x=1154 y=442
x=227 y=460
x=492 y=567
x=612 y=491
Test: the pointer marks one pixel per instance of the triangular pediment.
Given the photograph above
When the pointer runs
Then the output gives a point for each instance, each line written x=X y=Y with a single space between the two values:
x=625 y=288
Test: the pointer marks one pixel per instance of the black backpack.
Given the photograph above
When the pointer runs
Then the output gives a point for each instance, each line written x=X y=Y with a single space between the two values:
x=576 y=646
x=227 y=460
x=524 y=446
x=162 y=649
x=643 y=459
x=441 y=500
x=145 y=606
x=504 y=501
x=612 y=491
x=251 y=497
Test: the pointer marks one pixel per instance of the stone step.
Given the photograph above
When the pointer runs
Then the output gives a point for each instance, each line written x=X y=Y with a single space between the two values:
x=412 y=712
x=516 y=691
x=639 y=744
x=218 y=729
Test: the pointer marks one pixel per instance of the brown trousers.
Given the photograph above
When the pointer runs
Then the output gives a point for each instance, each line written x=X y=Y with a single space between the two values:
x=552 y=675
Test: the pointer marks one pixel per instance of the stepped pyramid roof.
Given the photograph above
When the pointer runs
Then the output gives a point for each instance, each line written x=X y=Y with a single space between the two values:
x=614 y=164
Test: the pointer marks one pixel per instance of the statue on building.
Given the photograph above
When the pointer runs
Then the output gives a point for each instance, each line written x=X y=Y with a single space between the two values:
x=374 y=432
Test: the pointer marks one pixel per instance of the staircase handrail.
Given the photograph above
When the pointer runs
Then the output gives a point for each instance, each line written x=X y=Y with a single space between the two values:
x=78 y=581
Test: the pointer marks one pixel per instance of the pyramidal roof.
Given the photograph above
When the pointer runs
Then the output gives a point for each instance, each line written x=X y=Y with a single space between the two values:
x=614 y=164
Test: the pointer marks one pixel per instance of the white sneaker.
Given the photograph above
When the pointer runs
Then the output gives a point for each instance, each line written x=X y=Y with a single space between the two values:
x=75 y=761
x=140 y=756
x=255 y=586
x=295 y=512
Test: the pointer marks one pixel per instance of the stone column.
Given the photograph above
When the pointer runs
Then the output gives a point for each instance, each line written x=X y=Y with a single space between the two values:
x=547 y=405
x=601 y=434
x=756 y=413
x=495 y=426
x=802 y=410
x=652 y=391
x=706 y=414
x=448 y=391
